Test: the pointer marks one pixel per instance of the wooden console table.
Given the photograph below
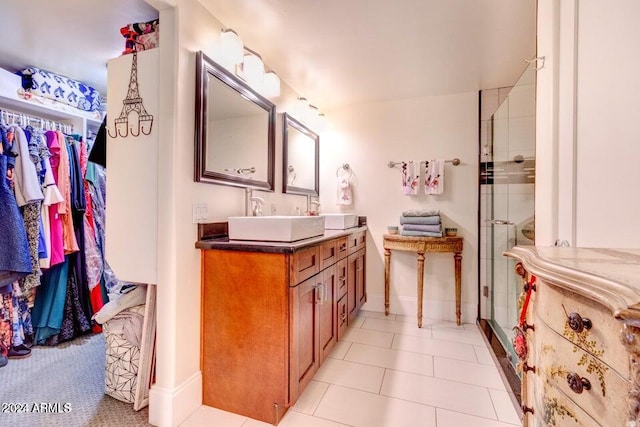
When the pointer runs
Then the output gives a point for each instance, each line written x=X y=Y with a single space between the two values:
x=421 y=245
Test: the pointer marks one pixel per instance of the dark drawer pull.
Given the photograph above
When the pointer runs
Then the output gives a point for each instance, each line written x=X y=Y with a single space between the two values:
x=527 y=368
x=577 y=384
x=578 y=323
x=526 y=326
x=526 y=409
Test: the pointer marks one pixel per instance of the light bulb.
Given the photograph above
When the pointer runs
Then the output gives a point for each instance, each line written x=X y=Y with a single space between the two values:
x=253 y=69
x=271 y=85
x=232 y=48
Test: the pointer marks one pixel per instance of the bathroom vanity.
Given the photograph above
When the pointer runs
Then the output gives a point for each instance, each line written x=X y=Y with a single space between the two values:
x=582 y=330
x=271 y=313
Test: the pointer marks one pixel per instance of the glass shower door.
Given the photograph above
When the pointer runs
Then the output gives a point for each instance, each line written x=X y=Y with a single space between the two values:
x=507 y=197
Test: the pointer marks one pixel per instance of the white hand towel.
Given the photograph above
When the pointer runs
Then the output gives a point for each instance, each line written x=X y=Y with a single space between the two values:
x=434 y=177
x=410 y=178
x=345 y=197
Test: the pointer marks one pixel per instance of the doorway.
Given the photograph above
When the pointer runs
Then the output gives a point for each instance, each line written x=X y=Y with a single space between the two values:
x=507 y=179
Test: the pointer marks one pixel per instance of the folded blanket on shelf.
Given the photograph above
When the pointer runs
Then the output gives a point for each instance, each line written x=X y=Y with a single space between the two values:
x=420 y=233
x=437 y=228
x=420 y=219
x=421 y=212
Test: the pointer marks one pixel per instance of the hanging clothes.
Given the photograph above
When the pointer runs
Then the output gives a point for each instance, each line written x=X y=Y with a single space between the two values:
x=48 y=309
x=64 y=208
x=54 y=199
x=15 y=261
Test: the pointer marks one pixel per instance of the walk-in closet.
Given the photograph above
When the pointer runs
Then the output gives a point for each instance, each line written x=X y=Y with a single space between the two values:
x=69 y=355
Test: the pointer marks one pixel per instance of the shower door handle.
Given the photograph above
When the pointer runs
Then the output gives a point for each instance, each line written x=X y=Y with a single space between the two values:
x=499 y=222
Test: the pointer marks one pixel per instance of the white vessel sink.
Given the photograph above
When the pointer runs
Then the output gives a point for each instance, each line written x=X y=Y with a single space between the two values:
x=275 y=228
x=339 y=221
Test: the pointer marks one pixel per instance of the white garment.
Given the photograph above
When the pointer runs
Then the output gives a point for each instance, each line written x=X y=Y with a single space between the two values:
x=410 y=177
x=27 y=184
x=136 y=296
x=51 y=192
x=345 y=196
x=434 y=177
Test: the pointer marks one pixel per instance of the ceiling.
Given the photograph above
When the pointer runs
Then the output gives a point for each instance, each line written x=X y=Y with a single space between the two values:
x=74 y=38
x=334 y=52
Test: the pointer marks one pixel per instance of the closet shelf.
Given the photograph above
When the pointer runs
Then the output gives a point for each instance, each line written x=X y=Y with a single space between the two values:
x=10 y=100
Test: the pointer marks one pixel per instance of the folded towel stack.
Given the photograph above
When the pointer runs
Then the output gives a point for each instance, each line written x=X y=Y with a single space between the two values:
x=424 y=223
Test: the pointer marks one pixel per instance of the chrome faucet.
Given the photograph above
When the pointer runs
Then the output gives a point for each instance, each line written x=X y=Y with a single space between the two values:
x=257 y=207
x=312 y=202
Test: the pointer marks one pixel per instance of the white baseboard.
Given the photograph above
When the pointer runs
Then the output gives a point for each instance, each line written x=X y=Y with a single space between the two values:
x=408 y=306
x=171 y=407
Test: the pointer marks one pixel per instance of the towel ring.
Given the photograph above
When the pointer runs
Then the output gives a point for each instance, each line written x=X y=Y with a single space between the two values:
x=345 y=167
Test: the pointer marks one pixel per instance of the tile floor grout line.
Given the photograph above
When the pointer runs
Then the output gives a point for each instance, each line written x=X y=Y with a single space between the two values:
x=477 y=416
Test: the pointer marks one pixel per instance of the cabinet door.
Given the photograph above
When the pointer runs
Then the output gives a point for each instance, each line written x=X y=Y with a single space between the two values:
x=326 y=301
x=305 y=355
x=352 y=298
x=342 y=317
x=341 y=277
x=361 y=290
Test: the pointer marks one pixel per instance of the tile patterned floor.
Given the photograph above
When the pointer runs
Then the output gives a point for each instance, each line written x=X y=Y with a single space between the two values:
x=389 y=373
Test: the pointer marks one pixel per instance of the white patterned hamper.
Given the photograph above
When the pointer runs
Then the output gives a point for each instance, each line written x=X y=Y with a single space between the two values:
x=122 y=356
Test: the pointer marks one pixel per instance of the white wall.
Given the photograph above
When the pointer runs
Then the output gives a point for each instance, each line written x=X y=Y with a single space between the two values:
x=367 y=137
x=587 y=127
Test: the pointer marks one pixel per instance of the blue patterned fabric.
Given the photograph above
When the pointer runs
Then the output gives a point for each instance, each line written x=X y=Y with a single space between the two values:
x=54 y=86
x=15 y=261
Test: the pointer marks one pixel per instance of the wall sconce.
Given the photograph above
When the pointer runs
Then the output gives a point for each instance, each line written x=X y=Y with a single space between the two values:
x=247 y=64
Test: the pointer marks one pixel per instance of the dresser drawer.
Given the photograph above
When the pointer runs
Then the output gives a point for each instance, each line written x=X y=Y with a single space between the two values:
x=304 y=264
x=552 y=408
x=356 y=242
x=558 y=358
x=328 y=253
x=602 y=339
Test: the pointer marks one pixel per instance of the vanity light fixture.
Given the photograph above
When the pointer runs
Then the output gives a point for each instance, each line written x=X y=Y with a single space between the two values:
x=308 y=114
x=247 y=64
x=232 y=48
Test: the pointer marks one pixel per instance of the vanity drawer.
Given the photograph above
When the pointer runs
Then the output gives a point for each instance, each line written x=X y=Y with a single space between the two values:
x=341 y=277
x=304 y=264
x=342 y=247
x=605 y=400
x=602 y=339
x=328 y=253
x=356 y=242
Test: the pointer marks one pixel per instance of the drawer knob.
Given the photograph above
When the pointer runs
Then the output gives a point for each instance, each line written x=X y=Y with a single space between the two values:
x=577 y=384
x=578 y=323
x=527 y=368
x=526 y=409
x=526 y=326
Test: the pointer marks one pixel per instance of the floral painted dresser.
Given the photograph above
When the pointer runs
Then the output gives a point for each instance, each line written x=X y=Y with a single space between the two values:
x=579 y=334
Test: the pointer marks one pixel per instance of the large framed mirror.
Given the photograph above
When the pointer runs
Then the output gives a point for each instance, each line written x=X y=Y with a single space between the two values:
x=301 y=158
x=235 y=130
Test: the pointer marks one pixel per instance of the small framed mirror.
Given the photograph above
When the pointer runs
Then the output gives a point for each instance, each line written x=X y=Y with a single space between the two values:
x=301 y=158
x=235 y=130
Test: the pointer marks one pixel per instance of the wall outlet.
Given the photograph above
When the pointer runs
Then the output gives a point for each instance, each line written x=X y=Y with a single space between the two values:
x=200 y=212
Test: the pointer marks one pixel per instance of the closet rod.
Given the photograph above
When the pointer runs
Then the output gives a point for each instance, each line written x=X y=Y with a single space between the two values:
x=25 y=119
x=454 y=162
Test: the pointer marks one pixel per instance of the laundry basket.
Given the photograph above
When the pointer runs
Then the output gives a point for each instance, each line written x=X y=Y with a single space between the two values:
x=122 y=361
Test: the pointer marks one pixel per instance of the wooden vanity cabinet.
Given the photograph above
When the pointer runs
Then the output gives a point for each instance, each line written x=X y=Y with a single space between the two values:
x=271 y=319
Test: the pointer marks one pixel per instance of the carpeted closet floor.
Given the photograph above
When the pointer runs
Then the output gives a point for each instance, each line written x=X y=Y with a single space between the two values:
x=70 y=375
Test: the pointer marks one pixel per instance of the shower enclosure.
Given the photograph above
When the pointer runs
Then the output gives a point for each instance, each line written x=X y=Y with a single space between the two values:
x=507 y=176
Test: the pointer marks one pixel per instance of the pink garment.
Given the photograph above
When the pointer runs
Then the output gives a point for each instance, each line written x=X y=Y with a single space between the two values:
x=55 y=221
x=64 y=208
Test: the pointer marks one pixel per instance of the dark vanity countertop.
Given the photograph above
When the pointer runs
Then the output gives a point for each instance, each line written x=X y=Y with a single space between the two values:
x=223 y=243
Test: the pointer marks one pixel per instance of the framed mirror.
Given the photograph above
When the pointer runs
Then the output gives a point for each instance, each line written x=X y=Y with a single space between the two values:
x=235 y=130
x=301 y=158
